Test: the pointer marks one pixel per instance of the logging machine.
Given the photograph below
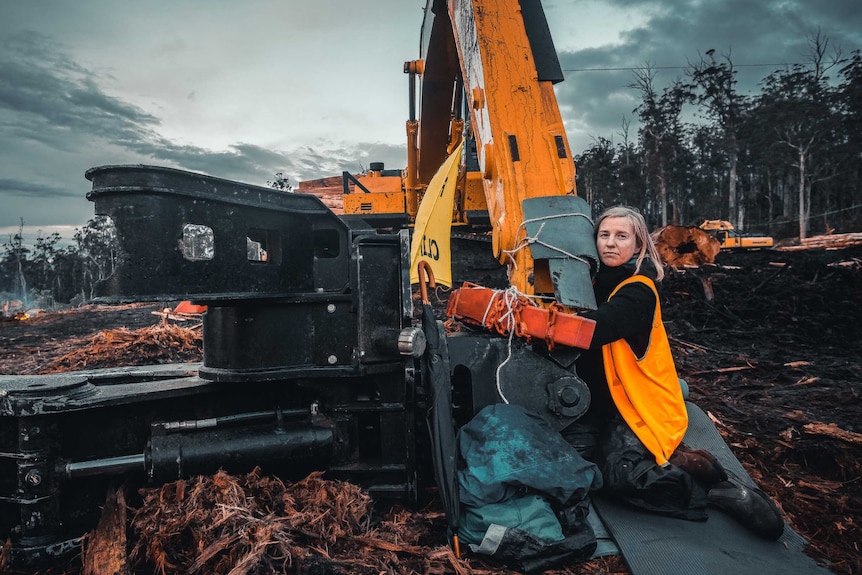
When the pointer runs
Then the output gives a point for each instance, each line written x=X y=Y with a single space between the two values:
x=311 y=347
x=731 y=239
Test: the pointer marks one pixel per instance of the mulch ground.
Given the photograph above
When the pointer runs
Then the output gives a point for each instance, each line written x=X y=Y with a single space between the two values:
x=775 y=358
x=96 y=336
x=768 y=342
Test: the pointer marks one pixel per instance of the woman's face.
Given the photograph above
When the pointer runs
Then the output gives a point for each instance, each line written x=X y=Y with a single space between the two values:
x=616 y=241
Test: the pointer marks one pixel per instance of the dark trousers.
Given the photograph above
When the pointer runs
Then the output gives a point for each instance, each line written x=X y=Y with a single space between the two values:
x=630 y=471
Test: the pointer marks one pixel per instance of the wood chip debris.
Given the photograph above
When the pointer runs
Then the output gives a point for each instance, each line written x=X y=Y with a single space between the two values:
x=258 y=524
x=832 y=430
x=164 y=343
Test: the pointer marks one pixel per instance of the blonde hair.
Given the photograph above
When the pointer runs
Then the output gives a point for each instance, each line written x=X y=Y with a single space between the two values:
x=646 y=247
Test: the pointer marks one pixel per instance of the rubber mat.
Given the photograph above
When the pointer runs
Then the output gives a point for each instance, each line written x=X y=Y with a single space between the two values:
x=653 y=544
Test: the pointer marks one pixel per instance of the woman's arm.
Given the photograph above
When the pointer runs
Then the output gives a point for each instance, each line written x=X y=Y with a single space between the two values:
x=628 y=314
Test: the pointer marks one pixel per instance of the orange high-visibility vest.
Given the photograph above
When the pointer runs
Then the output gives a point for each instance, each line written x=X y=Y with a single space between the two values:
x=646 y=390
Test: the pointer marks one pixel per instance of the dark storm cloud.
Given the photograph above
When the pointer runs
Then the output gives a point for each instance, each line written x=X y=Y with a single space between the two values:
x=46 y=90
x=255 y=164
x=242 y=161
x=26 y=188
x=59 y=117
x=758 y=37
x=57 y=121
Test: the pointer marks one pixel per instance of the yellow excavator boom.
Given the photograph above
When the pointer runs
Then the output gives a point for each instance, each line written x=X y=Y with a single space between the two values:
x=487 y=71
x=495 y=59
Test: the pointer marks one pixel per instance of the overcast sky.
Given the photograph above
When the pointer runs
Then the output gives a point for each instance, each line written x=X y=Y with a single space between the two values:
x=243 y=90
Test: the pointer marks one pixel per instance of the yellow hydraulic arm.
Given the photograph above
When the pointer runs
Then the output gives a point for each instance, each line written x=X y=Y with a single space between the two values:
x=498 y=56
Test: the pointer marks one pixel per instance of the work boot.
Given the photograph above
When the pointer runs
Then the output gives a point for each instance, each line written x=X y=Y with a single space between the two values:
x=700 y=464
x=748 y=505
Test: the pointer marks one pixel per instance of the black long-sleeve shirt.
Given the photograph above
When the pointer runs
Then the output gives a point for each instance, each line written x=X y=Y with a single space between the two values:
x=628 y=315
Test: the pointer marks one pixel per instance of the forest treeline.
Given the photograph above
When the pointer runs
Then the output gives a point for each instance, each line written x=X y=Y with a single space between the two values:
x=785 y=162
x=44 y=273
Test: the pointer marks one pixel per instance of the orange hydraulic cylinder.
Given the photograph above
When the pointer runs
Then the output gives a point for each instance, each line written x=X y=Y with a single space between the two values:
x=501 y=311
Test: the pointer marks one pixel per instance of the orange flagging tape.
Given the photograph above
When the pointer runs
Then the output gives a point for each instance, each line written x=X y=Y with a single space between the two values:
x=188 y=307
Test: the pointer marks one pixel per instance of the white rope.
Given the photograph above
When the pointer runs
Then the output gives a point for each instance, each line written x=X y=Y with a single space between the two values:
x=499 y=367
x=511 y=294
x=555 y=216
x=529 y=240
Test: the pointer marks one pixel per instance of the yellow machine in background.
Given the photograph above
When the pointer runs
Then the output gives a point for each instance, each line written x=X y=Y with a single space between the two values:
x=378 y=196
x=731 y=239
